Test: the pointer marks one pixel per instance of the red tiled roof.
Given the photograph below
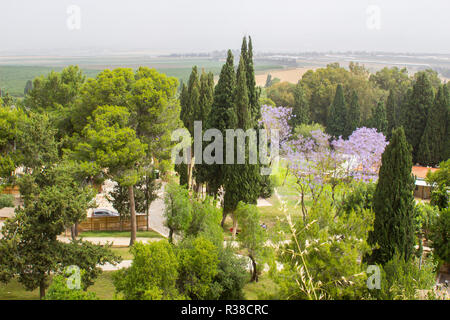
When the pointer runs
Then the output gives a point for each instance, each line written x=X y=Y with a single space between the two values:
x=421 y=172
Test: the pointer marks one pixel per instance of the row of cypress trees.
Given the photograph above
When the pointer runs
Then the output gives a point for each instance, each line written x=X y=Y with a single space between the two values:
x=232 y=104
x=424 y=115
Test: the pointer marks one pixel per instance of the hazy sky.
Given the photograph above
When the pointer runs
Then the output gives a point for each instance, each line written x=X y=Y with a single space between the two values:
x=205 y=25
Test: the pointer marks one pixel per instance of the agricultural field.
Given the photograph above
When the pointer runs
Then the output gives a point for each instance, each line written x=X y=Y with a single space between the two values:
x=14 y=73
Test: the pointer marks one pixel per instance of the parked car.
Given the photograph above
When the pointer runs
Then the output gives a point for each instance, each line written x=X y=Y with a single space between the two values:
x=100 y=212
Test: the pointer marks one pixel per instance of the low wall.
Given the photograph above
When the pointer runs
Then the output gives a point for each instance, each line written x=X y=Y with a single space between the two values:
x=112 y=224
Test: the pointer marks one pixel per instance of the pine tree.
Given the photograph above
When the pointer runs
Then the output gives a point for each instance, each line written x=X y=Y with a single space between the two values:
x=337 y=116
x=353 y=115
x=300 y=110
x=419 y=102
x=394 y=202
x=378 y=119
x=432 y=143
x=241 y=181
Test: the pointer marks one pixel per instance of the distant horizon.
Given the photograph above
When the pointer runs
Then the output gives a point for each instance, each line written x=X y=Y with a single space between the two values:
x=176 y=26
x=88 y=51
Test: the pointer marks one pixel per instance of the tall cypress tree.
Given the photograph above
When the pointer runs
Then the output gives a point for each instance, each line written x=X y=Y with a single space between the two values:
x=433 y=139
x=300 y=110
x=391 y=113
x=201 y=171
x=419 y=102
x=222 y=117
x=379 y=119
x=337 y=116
x=393 y=202
x=446 y=149
x=353 y=115
x=242 y=181
x=253 y=91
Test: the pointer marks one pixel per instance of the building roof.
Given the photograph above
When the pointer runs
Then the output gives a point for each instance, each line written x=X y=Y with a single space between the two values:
x=421 y=172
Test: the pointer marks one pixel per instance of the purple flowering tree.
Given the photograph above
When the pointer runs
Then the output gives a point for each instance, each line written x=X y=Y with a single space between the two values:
x=277 y=118
x=319 y=162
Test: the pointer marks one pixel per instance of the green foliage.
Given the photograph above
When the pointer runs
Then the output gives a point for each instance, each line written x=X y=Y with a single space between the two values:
x=282 y=94
x=222 y=116
x=9 y=129
x=353 y=115
x=241 y=181
x=36 y=143
x=300 y=108
x=231 y=276
x=178 y=210
x=440 y=236
x=252 y=236
x=29 y=249
x=55 y=91
x=59 y=290
x=199 y=260
x=337 y=117
x=440 y=183
x=6 y=201
x=145 y=192
x=394 y=202
x=419 y=102
x=379 y=119
x=152 y=274
x=424 y=216
x=110 y=143
x=433 y=139
x=358 y=198
x=305 y=130
x=402 y=279
x=205 y=221
x=320 y=87
x=322 y=261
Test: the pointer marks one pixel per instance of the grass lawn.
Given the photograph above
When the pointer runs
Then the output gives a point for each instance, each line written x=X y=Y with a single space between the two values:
x=15 y=291
x=120 y=234
x=103 y=287
x=264 y=289
x=123 y=252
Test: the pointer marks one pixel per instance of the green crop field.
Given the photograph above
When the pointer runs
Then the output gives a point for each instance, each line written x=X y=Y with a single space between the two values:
x=15 y=73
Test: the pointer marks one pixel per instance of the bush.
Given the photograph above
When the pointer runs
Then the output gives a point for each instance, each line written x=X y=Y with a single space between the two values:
x=59 y=290
x=359 y=198
x=402 y=280
x=152 y=274
x=440 y=236
x=6 y=201
x=198 y=259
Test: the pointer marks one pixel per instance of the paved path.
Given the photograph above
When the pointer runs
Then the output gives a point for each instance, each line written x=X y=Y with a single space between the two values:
x=156 y=218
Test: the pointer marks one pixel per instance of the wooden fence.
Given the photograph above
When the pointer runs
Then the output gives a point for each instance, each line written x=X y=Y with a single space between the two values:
x=112 y=224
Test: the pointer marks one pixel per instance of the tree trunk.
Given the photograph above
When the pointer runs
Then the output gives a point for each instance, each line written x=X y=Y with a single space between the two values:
x=170 y=235
x=235 y=226
x=254 y=272
x=224 y=217
x=42 y=289
x=133 y=215
x=72 y=232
